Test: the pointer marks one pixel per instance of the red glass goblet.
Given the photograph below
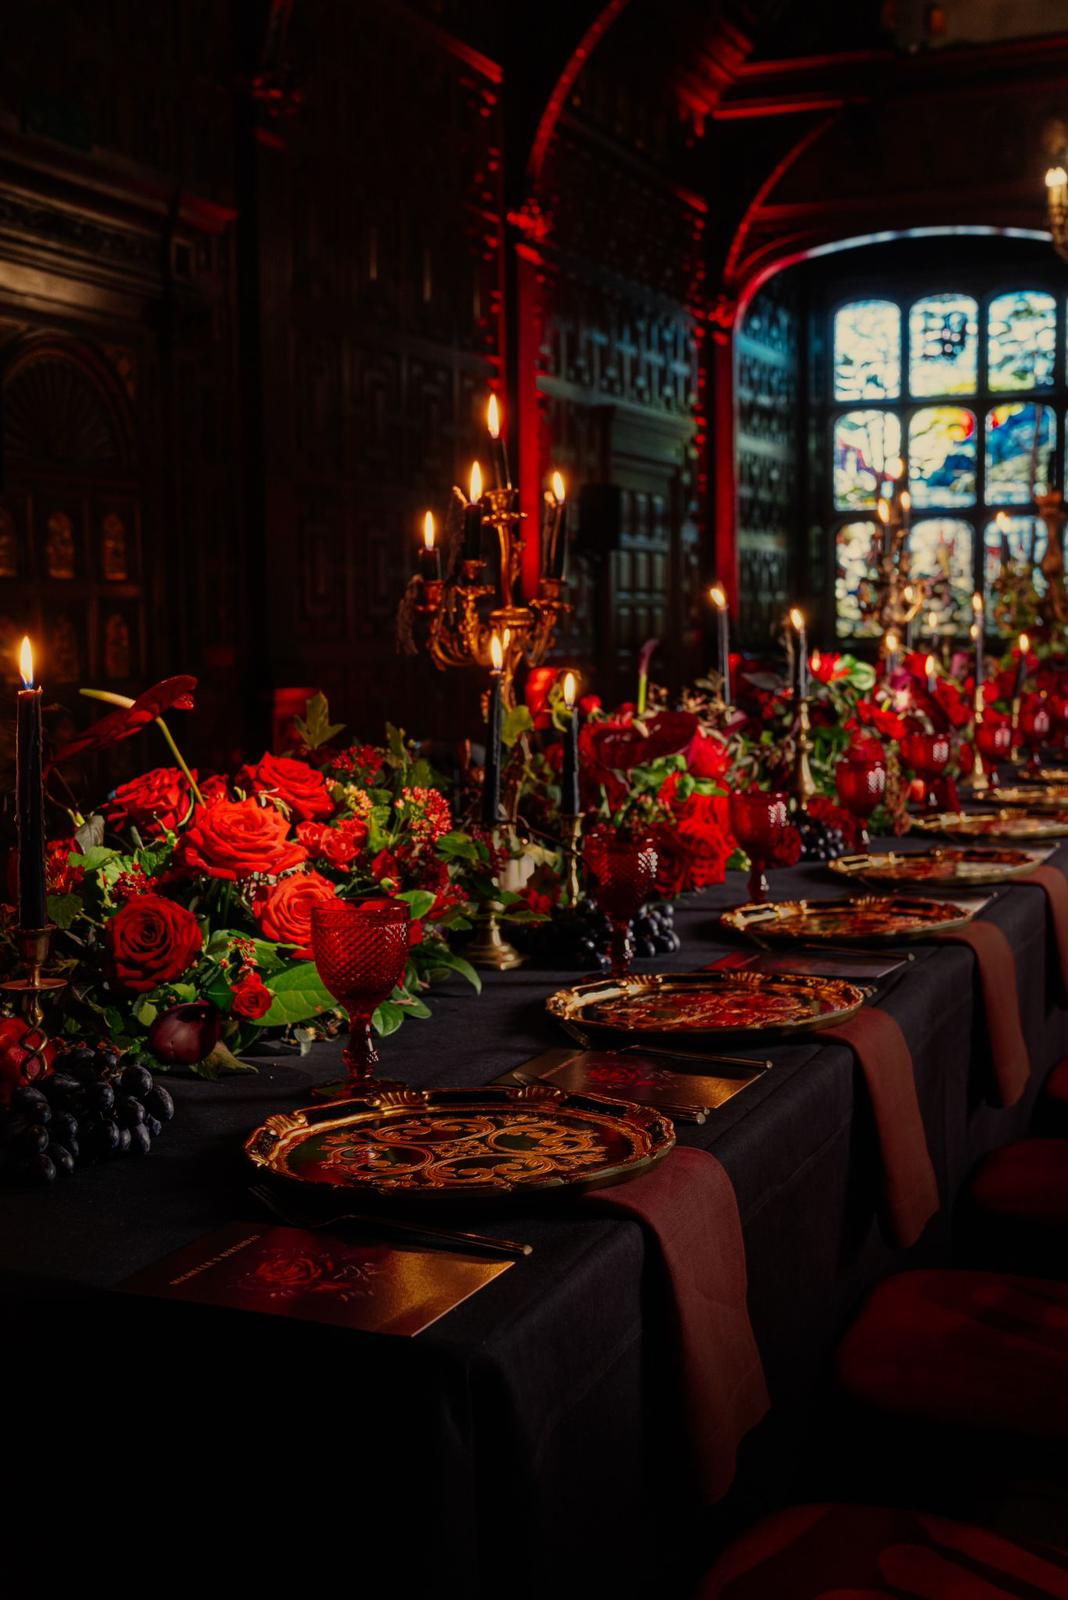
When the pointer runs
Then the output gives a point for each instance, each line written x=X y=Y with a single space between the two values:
x=1034 y=728
x=861 y=785
x=927 y=754
x=624 y=867
x=360 y=951
x=758 y=822
x=993 y=735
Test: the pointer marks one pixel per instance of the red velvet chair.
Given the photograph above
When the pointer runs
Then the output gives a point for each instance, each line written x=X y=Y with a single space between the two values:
x=864 y=1552
x=1015 y=1212
x=1052 y=1114
x=983 y=1350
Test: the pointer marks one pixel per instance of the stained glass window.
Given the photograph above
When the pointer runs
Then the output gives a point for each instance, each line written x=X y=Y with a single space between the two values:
x=867 y=351
x=1019 y=442
x=1018 y=538
x=942 y=456
x=942 y=547
x=1021 y=332
x=864 y=441
x=943 y=345
x=854 y=548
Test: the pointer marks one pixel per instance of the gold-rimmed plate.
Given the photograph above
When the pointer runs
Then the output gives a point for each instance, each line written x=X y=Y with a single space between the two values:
x=722 y=1002
x=945 y=866
x=1049 y=775
x=1032 y=796
x=1014 y=825
x=861 y=919
x=435 y=1145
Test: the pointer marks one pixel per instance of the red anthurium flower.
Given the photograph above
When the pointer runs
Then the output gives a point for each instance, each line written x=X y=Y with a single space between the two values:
x=125 y=721
x=621 y=743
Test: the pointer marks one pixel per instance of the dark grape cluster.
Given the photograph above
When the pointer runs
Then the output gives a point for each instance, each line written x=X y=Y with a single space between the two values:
x=820 y=841
x=88 y=1109
x=579 y=939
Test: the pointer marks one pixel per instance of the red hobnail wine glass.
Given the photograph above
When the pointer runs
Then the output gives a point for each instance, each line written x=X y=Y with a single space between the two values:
x=360 y=951
x=861 y=785
x=927 y=754
x=1034 y=728
x=758 y=822
x=994 y=739
x=624 y=869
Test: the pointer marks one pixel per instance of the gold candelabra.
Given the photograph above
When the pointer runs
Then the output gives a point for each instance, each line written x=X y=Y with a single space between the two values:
x=895 y=597
x=34 y=946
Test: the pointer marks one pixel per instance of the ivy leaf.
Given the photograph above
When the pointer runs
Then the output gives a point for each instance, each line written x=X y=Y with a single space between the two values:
x=63 y=908
x=315 y=727
x=514 y=724
x=458 y=847
x=298 y=994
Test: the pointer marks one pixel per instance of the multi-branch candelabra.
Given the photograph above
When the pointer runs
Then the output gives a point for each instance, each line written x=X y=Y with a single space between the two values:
x=894 y=598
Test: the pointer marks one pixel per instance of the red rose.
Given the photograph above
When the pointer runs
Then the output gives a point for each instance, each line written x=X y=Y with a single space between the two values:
x=17 y=1064
x=232 y=839
x=385 y=865
x=705 y=834
x=536 y=694
x=339 y=846
x=151 y=940
x=787 y=852
x=299 y=786
x=252 y=998
x=155 y=802
x=707 y=755
x=212 y=788
x=284 y=911
x=673 y=863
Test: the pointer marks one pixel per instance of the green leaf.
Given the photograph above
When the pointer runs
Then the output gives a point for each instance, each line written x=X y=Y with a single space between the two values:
x=387 y=1018
x=315 y=727
x=221 y=1060
x=63 y=908
x=514 y=724
x=395 y=742
x=145 y=1011
x=298 y=996
x=458 y=847
x=419 y=901
x=448 y=958
x=94 y=858
x=413 y=1006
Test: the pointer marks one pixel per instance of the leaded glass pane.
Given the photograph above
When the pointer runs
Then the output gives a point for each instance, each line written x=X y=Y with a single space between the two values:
x=1021 y=332
x=942 y=547
x=943 y=345
x=942 y=456
x=1015 y=539
x=867 y=351
x=1019 y=444
x=864 y=441
x=853 y=550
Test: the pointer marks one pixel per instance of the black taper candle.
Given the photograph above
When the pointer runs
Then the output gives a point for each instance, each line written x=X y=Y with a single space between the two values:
x=569 y=781
x=557 y=562
x=29 y=785
x=491 y=785
x=473 y=517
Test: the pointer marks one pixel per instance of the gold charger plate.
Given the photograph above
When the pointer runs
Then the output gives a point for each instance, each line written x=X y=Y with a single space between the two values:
x=940 y=866
x=862 y=919
x=1036 y=797
x=993 y=825
x=462 y=1144
x=1049 y=775
x=720 y=1002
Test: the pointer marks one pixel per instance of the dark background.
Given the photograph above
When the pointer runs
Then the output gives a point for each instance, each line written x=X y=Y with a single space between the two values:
x=260 y=263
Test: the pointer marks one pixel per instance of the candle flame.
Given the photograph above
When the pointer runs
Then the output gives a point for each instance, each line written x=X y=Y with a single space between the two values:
x=1056 y=178
x=797 y=618
x=1025 y=644
x=882 y=510
x=718 y=596
x=977 y=604
x=506 y=638
x=428 y=530
x=906 y=500
x=932 y=666
x=496 y=652
x=476 y=483
x=1004 y=521
x=891 y=643
x=973 y=631
x=26 y=663
x=815 y=661
x=895 y=467
x=909 y=593
x=569 y=689
x=493 y=417
x=559 y=489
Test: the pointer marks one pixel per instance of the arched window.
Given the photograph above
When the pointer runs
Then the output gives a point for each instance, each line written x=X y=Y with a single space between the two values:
x=971 y=392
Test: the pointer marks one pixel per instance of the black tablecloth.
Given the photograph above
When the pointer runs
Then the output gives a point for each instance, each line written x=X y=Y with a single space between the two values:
x=529 y=1417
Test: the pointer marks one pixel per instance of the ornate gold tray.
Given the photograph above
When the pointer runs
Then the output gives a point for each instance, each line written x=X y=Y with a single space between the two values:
x=862 y=919
x=993 y=825
x=1049 y=775
x=462 y=1144
x=941 y=865
x=1036 y=797
x=721 y=1001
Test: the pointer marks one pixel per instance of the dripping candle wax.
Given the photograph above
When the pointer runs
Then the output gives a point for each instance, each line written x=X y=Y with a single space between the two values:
x=718 y=596
x=29 y=784
x=473 y=517
x=801 y=667
x=500 y=449
x=491 y=788
x=569 y=787
x=429 y=555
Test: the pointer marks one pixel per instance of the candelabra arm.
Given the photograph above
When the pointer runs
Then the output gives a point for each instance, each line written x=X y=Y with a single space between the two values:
x=34 y=946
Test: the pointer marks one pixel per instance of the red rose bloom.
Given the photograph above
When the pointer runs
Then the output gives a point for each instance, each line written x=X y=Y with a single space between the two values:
x=299 y=786
x=707 y=755
x=338 y=846
x=151 y=940
x=284 y=912
x=154 y=803
x=673 y=862
x=252 y=998
x=704 y=833
x=232 y=839
x=787 y=852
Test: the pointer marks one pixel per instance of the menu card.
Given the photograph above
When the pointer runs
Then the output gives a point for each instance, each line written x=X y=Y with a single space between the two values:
x=318 y=1277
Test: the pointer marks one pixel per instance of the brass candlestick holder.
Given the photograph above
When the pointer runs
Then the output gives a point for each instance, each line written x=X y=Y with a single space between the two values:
x=489 y=947
x=34 y=947
x=804 y=783
x=571 y=843
x=980 y=781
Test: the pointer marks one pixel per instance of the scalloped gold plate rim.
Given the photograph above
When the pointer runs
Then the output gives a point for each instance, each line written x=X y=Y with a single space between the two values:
x=1004 y=825
x=801 y=921
x=575 y=1007
x=886 y=867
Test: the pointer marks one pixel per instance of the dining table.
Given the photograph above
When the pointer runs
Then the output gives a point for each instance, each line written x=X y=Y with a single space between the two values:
x=530 y=1438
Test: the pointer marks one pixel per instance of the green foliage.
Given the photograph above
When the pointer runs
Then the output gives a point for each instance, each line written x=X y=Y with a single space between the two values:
x=315 y=727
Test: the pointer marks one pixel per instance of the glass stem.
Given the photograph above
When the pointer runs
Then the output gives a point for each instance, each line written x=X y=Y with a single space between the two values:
x=622 y=949
x=360 y=1055
x=758 y=883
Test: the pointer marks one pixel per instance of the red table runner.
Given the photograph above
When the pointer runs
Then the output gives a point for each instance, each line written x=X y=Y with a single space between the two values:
x=1001 y=1005
x=687 y=1203
x=1055 y=886
x=910 y=1189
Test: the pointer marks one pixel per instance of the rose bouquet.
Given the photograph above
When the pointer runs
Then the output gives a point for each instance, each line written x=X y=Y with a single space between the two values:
x=183 y=906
